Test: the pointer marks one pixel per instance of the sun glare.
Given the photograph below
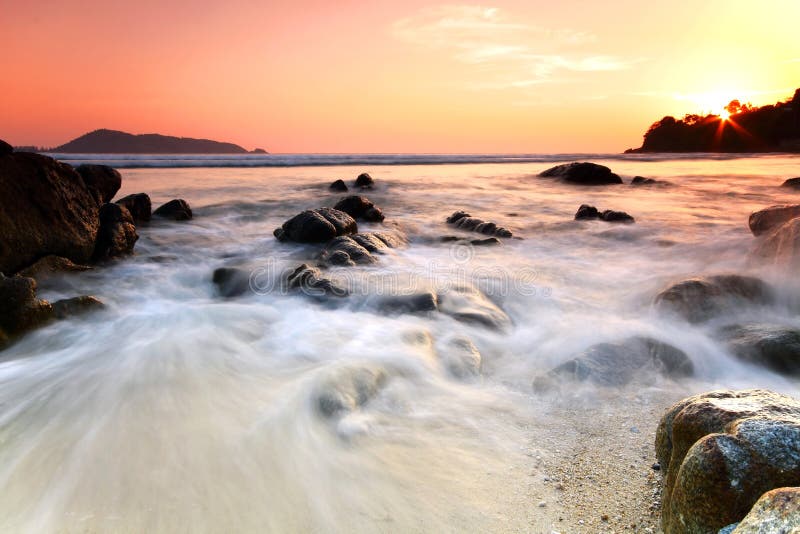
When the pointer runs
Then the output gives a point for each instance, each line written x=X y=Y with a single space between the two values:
x=723 y=114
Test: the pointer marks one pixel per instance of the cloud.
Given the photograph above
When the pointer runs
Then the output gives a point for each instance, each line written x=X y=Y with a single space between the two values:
x=522 y=54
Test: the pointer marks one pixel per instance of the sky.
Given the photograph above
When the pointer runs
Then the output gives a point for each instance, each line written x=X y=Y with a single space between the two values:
x=405 y=76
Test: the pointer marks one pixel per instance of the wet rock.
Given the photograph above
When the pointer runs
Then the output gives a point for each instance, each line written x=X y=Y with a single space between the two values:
x=469 y=305
x=5 y=148
x=316 y=226
x=461 y=358
x=700 y=299
x=721 y=451
x=583 y=174
x=777 y=511
x=176 y=209
x=20 y=310
x=358 y=249
x=66 y=308
x=348 y=389
x=139 y=206
x=771 y=346
x=117 y=234
x=781 y=246
x=793 y=183
x=641 y=180
x=763 y=221
x=616 y=364
x=338 y=185
x=364 y=180
x=463 y=220
x=45 y=208
x=50 y=265
x=359 y=207
x=587 y=212
x=488 y=242
x=309 y=280
x=231 y=281
x=102 y=181
x=423 y=302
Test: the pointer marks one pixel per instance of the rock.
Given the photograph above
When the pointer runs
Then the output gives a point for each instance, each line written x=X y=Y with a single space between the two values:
x=338 y=185
x=781 y=247
x=117 y=233
x=348 y=389
x=488 y=242
x=461 y=358
x=360 y=208
x=102 y=181
x=700 y=299
x=316 y=226
x=364 y=180
x=50 y=265
x=587 y=212
x=358 y=249
x=793 y=183
x=309 y=280
x=616 y=364
x=463 y=220
x=423 y=302
x=66 y=308
x=231 y=281
x=721 y=451
x=20 y=310
x=5 y=148
x=468 y=304
x=45 y=208
x=777 y=511
x=763 y=221
x=139 y=206
x=641 y=180
x=583 y=174
x=176 y=209
x=616 y=216
x=771 y=346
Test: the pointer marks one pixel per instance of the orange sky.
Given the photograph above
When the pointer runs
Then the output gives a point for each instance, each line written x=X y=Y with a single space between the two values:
x=380 y=76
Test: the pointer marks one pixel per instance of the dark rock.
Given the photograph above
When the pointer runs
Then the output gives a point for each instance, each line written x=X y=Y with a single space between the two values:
x=102 y=181
x=469 y=305
x=700 y=299
x=20 y=310
x=776 y=511
x=360 y=208
x=66 y=308
x=348 y=389
x=310 y=281
x=45 y=208
x=461 y=358
x=583 y=174
x=723 y=450
x=641 y=180
x=139 y=206
x=488 y=242
x=259 y=151
x=616 y=216
x=781 y=246
x=358 y=249
x=763 y=221
x=231 y=281
x=364 y=180
x=316 y=226
x=793 y=183
x=616 y=364
x=774 y=347
x=587 y=212
x=176 y=209
x=50 y=265
x=117 y=233
x=463 y=220
x=5 y=148
x=338 y=185
x=424 y=302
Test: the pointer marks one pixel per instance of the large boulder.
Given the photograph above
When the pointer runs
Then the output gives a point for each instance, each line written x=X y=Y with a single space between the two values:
x=117 y=234
x=316 y=226
x=139 y=206
x=45 y=208
x=700 y=299
x=102 y=181
x=763 y=221
x=359 y=207
x=464 y=221
x=176 y=209
x=793 y=183
x=20 y=310
x=777 y=511
x=583 y=174
x=781 y=246
x=723 y=450
x=365 y=181
x=771 y=346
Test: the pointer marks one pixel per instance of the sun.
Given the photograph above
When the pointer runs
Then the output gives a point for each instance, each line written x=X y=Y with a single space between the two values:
x=724 y=114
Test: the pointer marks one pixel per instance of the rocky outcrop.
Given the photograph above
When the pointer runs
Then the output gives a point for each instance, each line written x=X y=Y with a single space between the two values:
x=316 y=226
x=781 y=247
x=365 y=181
x=793 y=183
x=117 y=234
x=102 y=181
x=176 y=210
x=50 y=265
x=338 y=185
x=358 y=249
x=309 y=281
x=772 y=346
x=721 y=451
x=587 y=212
x=777 y=511
x=360 y=208
x=763 y=221
x=138 y=205
x=464 y=221
x=583 y=174
x=616 y=364
x=45 y=209
x=700 y=299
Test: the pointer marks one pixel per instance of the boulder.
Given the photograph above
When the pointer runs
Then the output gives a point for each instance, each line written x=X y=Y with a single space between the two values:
x=463 y=220
x=641 y=180
x=20 y=310
x=360 y=208
x=138 y=205
x=347 y=389
x=309 y=280
x=469 y=305
x=587 y=212
x=781 y=246
x=423 y=302
x=583 y=174
x=777 y=511
x=117 y=234
x=616 y=364
x=338 y=185
x=176 y=209
x=461 y=358
x=66 y=308
x=700 y=299
x=5 y=148
x=763 y=221
x=488 y=242
x=358 y=249
x=102 y=181
x=45 y=208
x=231 y=281
x=721 y=451
x=793 y=183
x=316 y=226
x=771 y=346
x=50 y=265
x=364 y=180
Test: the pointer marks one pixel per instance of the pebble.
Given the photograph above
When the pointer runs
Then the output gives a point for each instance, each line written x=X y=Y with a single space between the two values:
x=542 y=504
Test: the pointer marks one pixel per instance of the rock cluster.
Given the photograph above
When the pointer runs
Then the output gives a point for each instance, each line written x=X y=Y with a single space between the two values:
x=587 y=212
x=464 y=221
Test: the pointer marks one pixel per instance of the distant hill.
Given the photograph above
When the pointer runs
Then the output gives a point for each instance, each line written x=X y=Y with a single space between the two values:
x=114 y=142
x=772 y=128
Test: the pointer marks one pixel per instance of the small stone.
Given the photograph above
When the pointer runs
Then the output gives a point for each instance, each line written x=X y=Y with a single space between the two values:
x=542 y=504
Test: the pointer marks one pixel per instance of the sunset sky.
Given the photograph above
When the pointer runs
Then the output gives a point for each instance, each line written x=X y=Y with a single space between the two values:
x=381 y=76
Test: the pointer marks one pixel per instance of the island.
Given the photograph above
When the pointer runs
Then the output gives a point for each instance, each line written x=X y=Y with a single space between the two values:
x=741 y=128
x=115 y=142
